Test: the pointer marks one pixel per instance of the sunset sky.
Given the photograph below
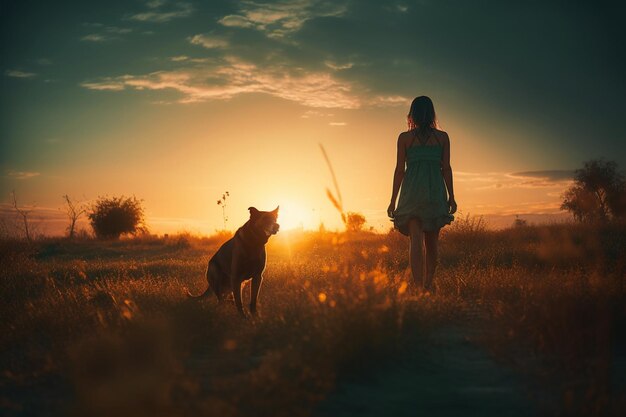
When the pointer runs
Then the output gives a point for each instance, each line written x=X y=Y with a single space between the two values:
x=178 y=101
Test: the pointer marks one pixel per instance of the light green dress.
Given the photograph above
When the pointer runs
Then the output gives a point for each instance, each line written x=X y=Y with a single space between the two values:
x=423 y=195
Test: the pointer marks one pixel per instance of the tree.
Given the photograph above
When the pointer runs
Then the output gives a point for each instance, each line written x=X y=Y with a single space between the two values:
x=112 y=217
x=598 y=193
x=73 y=210
x=354 y=222
x=24 y=215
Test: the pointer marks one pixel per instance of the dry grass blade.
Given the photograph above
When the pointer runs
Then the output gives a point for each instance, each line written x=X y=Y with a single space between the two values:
x=336 y=204
x=336 y=201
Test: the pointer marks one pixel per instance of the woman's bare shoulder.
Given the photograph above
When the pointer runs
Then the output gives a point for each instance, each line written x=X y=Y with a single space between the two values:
x=404 y=137
x=442 y=135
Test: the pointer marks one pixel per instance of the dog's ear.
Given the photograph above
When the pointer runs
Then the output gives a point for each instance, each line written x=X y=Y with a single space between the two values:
x=253 y=211
x=275 y=211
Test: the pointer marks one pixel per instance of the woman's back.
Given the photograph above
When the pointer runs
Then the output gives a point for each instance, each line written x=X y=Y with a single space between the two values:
x=415 y=138
x=423 y=193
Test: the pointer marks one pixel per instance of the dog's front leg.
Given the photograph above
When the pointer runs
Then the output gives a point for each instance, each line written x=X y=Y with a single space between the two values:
x=254 y=291
x=235 y=280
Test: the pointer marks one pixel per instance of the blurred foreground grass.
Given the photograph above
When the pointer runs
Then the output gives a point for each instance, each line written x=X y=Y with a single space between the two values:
x=104 y=328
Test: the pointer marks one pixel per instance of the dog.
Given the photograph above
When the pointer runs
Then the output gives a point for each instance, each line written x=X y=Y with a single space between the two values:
x=242 y=258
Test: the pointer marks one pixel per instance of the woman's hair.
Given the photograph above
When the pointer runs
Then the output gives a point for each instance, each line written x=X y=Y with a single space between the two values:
x=422 y=115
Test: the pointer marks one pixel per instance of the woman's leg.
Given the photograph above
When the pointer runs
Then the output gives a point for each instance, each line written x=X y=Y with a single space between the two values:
x=431 y=239
x=416 y=252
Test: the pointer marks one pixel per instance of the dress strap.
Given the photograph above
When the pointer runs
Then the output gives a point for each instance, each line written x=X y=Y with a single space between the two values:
x=413 y=140
x=426 y=141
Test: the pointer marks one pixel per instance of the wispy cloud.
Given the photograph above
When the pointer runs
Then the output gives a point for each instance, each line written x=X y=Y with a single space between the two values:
x=558 y=179
x=209 y=41
x=22 y=175
x=338 y=67
x=96 y=37
x=154 y=4
x=160 y=11
x=531 y=207
x=236 y=21
x=315 y=113
x=554 y=175
x=283 y=17
x=231 y=77
x=106 y=84
x=338 y=124
x=104 y=33
x=19 y=74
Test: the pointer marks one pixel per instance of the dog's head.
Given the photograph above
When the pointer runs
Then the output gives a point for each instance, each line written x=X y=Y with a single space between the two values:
x=264 y=221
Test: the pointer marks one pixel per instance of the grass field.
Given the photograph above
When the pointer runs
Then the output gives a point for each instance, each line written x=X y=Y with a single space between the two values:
x=93 y=328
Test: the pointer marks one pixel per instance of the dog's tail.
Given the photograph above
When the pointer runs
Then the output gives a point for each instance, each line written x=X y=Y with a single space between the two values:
x=203 y=295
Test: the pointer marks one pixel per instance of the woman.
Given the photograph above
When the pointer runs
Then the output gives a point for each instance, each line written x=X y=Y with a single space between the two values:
x=424 y=206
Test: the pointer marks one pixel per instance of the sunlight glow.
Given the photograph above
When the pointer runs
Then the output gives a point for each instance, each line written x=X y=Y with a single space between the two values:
x=293 y=216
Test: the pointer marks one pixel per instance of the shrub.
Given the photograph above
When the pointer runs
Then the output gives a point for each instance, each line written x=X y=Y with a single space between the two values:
x=112 y=217
x=354 y=222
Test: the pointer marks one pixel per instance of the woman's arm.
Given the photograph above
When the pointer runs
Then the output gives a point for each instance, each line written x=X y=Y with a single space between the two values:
x=446 y=170
x=398 y=175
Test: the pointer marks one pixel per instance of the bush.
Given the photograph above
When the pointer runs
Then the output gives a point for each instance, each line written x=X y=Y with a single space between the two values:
x=112 y=217
x=355 y=222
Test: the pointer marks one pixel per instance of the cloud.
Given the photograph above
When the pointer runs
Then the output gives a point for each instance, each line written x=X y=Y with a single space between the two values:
x=337 y=123
x=104 y=85
x=558 y=179
x=463 y=176
x=338 y=67
x=22 y=175
x=19 y=74
x=402 y=8
x=105 y=33
x=315 y=113
x=283 y=17
x=208 y=41
x=96 y=37
x=155 y=4
x=531 y=207
x=231 y=77
x=159 y=12
x=235 y=21
x=553 y=175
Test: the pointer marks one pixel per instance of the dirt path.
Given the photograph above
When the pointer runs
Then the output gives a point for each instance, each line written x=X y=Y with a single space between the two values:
x=445 y=376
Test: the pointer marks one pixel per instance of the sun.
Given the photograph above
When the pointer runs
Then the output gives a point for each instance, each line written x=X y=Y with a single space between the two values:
x=293 y=216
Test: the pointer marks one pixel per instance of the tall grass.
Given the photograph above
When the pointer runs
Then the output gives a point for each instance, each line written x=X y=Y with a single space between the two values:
x=102 y=328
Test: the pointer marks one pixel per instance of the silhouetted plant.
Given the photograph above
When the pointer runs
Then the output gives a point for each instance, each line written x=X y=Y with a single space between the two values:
x=112 y=217
x=334 y=199
x=222 y=202
x=519 y=222
x=24 y=215
x=598 y=193
x=73 y=210
x=354 y=222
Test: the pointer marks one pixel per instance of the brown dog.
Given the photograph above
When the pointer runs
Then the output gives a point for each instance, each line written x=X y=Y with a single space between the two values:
x=241 y=258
